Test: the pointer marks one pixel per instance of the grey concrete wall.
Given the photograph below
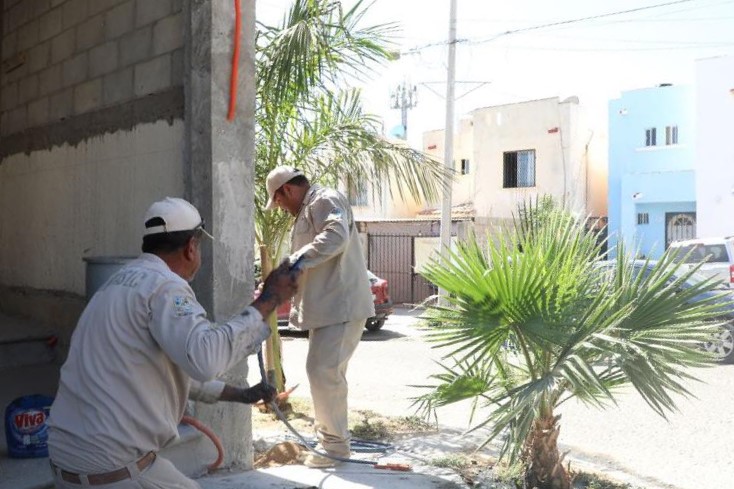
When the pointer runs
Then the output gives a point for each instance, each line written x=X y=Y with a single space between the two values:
x=70 y=202
x=63 y=59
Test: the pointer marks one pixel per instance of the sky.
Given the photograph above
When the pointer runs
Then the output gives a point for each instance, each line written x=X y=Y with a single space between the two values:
x=507 y=52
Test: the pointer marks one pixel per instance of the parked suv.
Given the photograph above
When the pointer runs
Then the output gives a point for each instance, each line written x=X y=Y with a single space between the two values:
x=716 y=254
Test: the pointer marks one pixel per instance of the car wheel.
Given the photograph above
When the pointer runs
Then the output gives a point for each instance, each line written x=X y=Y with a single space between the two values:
x=722 y=345
x=374 y=324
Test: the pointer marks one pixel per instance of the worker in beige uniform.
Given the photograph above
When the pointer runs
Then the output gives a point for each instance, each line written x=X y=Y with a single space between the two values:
x=333 y=301
x=142 y=346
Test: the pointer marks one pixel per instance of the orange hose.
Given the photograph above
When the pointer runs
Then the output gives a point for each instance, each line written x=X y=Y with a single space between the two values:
x=213 y=437
x=235 y=61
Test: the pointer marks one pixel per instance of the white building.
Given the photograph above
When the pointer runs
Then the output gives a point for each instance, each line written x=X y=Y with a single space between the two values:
x=507 y=154
x=714 y=153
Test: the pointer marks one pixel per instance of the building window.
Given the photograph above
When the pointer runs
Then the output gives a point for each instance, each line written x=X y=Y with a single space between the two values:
x=519 y=169
x=643 y=218
x=357 y=192
x=464 y=166
x=671 y=135
x=650 y=137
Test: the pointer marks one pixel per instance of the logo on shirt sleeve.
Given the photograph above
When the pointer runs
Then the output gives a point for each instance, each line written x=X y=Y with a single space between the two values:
x=335 y=214
x=182 y=306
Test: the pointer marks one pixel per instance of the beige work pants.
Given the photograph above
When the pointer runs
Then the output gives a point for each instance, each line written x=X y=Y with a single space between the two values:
x=329 y=351
x=161 y=474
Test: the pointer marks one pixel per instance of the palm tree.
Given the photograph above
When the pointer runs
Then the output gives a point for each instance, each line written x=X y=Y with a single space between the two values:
x=533 y=321
x=308 y=119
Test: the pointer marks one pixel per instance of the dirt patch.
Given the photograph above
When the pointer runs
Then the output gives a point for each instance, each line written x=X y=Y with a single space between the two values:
x=285 y=453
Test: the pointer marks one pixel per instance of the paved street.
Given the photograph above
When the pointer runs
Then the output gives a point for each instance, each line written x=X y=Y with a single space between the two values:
x=690 y=451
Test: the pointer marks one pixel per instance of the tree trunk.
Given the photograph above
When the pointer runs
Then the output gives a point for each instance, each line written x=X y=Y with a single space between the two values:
x=273 y=360
x=544 y=463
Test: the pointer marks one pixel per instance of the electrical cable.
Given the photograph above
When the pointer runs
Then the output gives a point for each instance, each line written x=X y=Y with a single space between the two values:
x=211 y=435
x=235 y=62
x=305 y=442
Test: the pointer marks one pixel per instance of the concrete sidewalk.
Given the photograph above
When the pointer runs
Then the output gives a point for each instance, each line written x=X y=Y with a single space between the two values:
x=346 y=476
x=415 y=452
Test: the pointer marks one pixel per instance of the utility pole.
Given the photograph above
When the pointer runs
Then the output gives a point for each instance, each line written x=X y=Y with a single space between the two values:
x=404 y=97
x=448 y=157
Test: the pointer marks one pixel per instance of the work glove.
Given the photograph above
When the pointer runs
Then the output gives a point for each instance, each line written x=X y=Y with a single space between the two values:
x=253 y=394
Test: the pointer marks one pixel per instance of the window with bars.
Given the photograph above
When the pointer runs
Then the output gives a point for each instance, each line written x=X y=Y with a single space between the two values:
x=519 y=169
x=643 y=218
x=650 y=137
x=671 y=135
x=464 y=166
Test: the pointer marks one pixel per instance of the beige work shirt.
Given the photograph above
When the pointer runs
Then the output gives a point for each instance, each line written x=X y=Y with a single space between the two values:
x=334 y=287
x=140 y=345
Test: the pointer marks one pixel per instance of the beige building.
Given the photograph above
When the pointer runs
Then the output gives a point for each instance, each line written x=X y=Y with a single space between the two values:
x=506 y=154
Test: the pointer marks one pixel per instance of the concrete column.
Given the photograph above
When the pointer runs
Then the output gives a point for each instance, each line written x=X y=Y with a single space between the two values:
x=219 y=155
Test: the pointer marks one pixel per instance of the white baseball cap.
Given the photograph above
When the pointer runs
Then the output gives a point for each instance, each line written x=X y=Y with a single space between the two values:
x=276 y=178
x=172 y=214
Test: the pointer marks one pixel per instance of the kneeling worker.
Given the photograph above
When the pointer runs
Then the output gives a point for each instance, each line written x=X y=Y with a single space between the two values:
x=142 y=347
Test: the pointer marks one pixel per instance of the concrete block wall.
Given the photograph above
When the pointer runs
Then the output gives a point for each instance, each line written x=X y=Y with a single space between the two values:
x=64 y=58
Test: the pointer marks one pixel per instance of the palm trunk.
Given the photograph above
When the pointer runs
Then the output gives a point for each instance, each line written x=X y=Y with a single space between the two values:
x=273 y=360
x=544 y=462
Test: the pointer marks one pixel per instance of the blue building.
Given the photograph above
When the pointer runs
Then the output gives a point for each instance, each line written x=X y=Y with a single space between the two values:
x=652 y=189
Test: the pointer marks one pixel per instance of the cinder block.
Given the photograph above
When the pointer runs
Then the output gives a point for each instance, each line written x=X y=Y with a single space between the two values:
x=61 y=105
x=88 y=96
x=120 y=20
x=74 y=12
x=15 y=75
x=97 y=6
x=10 y=44
x=39 y=7
x=153 y=76
x=147 y=11
x=136 y=46
x=38 y=57
x=49 y=80
x=14 y=121
x=38 y=114
x=168 y=34
x=62 y=46
x=50 y=24
x=17 y=15
x=9 y=3
x=28 y=35
x=74 y=70
x=28 y=89
x=103 y=59
x=90 y=33
x=9 y=96
x=118 y=87
x=177 y=68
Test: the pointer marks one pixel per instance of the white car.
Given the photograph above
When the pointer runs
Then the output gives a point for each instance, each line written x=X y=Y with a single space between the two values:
x=715 y=254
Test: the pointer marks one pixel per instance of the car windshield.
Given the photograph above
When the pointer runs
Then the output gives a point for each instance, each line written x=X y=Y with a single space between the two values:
x=697 y=277
x=710 y=253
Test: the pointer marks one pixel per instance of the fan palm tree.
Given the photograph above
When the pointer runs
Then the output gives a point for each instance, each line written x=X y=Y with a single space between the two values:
x=308 y=117
x=533 y=321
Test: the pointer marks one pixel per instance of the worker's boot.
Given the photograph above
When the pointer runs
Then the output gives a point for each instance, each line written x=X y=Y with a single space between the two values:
x=316 y=461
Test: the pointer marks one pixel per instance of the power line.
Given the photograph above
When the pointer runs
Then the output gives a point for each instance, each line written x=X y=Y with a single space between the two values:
x=574 y=21
x=547 y=25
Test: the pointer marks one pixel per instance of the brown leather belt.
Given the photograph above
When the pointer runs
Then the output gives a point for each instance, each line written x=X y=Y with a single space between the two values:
x=106 y=477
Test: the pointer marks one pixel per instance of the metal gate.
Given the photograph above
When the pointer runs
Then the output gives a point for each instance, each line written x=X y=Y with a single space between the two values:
x=392 y=257
x=679 y=226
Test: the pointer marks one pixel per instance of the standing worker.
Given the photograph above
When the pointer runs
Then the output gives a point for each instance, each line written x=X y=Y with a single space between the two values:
x=142 y=346
x=334 y=298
